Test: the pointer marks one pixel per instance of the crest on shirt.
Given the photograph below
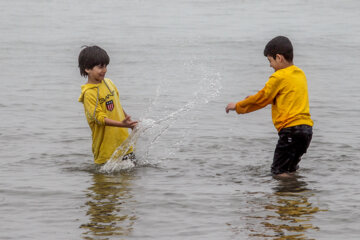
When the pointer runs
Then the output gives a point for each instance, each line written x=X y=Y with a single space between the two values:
x=110 y=105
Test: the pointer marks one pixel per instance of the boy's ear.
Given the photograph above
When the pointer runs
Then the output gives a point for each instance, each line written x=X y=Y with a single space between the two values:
x=279 y=57
x=87 y=70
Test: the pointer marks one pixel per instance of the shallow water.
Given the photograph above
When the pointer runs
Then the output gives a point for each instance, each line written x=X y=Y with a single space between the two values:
x=202 y=174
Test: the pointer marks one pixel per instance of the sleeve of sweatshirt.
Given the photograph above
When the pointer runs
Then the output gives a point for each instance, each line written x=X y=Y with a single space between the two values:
x=264 y=97
x=93 y=108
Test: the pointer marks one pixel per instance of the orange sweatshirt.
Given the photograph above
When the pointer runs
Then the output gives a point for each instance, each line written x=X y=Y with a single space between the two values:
x=287 y=91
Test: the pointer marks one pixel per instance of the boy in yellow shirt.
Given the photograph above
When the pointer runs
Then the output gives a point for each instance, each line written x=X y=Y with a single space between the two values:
x=106 y=118
x=286 y=90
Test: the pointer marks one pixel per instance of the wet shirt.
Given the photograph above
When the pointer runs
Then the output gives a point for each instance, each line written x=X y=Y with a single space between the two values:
x=287 y=92
x=102 y=101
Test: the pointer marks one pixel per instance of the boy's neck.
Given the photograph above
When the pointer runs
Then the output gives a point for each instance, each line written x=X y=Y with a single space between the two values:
x=286 y=64
x=93 y=81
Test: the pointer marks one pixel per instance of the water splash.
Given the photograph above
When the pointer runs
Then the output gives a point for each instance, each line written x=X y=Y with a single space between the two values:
x=152 y=129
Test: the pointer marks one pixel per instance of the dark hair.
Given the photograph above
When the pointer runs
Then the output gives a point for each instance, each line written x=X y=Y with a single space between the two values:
x=90 y=57
x=279 y=45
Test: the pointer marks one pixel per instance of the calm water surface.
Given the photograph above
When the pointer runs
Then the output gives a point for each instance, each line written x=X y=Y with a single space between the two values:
x=202 y=174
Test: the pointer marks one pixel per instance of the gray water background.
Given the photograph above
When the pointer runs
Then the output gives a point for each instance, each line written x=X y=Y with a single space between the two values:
x=206 y=175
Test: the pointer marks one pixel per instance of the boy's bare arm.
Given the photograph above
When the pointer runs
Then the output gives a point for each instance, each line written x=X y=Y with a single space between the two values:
x=126 y=123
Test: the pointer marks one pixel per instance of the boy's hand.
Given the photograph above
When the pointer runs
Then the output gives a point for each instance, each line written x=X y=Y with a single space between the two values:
x=129 y=123
x=230 y=107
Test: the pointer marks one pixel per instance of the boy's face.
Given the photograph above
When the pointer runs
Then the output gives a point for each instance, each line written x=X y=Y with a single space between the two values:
x=97 y=73
x=275 y=63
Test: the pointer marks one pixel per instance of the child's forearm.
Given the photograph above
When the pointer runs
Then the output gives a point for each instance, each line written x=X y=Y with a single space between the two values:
x=113 y=123
x=126 y=123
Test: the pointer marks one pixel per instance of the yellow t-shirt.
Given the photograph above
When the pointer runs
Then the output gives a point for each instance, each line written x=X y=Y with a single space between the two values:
x=287 y=91
x=102 y=101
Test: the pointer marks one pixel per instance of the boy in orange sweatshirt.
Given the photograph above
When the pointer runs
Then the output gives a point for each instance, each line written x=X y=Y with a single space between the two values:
x=286 y=90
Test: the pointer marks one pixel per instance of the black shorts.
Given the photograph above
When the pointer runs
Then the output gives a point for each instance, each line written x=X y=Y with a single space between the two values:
x=293 y=143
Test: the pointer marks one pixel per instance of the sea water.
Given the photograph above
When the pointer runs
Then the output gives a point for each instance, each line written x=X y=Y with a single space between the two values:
x=202 y=173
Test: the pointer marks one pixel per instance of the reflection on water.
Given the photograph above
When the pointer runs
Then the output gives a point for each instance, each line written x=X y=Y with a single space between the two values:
x=288 y=212
x=107 y=214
